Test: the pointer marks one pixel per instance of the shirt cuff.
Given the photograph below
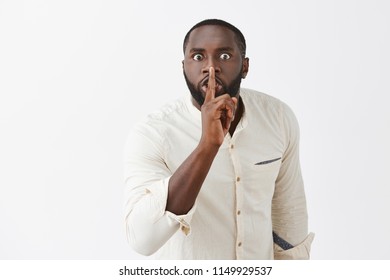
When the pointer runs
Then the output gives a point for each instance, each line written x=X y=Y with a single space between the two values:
x=160 y=193
x=183 y=220
x=299 y=252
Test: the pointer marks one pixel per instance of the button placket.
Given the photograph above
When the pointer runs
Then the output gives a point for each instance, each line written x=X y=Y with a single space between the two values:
x=238 y=200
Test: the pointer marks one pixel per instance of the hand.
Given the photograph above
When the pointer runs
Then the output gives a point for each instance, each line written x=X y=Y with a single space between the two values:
x=217 y=114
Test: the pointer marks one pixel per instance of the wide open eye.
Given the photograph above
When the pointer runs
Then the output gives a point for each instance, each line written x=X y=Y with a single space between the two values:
x=225 y=56
x=197 y=57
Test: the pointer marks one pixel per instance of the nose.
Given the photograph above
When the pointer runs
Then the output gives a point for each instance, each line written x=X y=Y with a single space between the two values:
x=211 y=62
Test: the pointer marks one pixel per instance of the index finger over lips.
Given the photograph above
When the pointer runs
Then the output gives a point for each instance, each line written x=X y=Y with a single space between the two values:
x=210 y=92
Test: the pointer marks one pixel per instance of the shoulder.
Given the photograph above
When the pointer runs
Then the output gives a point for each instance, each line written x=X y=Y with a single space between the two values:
x=168 y=111
x=272 y=109
x=156 y=122
x=262 y=102
x=261 y=98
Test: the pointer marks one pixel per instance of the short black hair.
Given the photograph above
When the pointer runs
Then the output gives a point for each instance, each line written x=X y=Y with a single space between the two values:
x=240 y=39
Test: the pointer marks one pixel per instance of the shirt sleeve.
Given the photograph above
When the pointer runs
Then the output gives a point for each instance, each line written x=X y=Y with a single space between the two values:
x=289 y=211
x=148 y=225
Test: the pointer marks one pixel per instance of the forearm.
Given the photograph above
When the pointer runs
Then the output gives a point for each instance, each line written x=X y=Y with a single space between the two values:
x=186 y=182
x=290 y=219
x=289 y=213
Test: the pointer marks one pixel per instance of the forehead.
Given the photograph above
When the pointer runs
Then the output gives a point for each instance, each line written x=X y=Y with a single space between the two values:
x=211 y=36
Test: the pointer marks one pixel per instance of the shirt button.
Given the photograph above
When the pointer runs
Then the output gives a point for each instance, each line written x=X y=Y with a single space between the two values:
x=238 y=179
x=231 y=146
x=238 y=212
x=239 y=244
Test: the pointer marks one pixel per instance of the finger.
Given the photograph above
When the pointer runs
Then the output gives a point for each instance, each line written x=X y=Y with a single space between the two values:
x=225 y=109
x=226 y=119
x=230 y=111
x=222 y=101
x=235 y=102
x=231 y=106
x=210 y=92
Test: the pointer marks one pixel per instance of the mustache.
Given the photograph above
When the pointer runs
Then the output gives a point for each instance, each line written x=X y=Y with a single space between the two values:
x=197 y=93
x=205 y=81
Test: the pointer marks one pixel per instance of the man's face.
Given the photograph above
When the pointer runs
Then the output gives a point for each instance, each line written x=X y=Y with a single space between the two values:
x=213 y=46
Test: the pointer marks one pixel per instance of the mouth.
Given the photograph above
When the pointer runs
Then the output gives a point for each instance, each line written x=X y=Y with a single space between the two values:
x=218 y=86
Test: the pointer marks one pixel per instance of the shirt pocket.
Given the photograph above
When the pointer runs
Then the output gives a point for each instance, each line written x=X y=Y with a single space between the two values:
x=262 y=177
x=269 y=163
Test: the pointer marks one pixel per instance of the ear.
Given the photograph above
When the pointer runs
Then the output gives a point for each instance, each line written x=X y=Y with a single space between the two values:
x=245 y=67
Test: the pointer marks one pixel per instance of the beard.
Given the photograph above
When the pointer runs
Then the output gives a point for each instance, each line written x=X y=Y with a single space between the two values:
x=232 y=89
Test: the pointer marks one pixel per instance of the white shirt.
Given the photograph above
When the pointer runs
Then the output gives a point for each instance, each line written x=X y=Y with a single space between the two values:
x=253 y=187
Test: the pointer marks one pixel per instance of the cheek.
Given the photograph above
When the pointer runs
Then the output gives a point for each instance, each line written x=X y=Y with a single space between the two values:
x=237 y=71
x=191 y=71
x=191 y=66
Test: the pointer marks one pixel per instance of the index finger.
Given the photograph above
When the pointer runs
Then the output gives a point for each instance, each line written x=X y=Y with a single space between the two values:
x=210 y=92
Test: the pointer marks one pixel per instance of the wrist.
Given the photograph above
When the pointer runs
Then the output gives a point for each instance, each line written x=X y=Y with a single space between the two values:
x=208 y=147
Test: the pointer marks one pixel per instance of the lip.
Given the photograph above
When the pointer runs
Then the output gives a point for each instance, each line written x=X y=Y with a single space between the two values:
x=205 y=81
x=218 y=89
x=218 y=85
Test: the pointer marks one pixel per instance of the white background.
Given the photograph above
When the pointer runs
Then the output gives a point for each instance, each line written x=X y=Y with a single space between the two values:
x=76 y=75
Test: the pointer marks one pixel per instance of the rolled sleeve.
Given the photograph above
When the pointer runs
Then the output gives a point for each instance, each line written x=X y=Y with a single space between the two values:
x=299 y=252
x=148 y=225
x=183 y=220
x=289 y=211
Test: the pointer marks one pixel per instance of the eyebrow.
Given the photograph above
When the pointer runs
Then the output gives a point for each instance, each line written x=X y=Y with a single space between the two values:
x=196 y=50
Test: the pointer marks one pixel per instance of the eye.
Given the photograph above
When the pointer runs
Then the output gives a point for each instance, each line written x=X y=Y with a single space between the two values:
x=197 y=57
x=225 y=56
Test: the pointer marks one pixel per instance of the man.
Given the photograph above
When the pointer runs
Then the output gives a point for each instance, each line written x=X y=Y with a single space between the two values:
x=216 y=175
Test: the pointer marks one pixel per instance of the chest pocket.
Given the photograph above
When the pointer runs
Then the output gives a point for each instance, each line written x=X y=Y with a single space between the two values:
x=269 y=163
x=262 y=177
